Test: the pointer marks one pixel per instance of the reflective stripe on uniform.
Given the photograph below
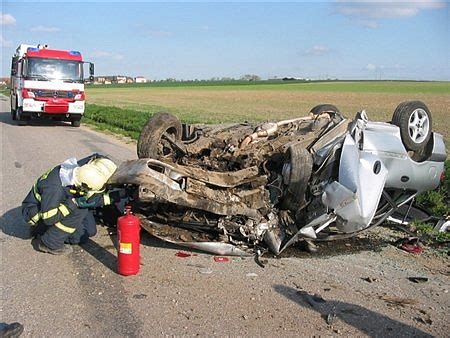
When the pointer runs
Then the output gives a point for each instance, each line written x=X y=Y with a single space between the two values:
x=64 y=228
x=33 y=220
x=35 y=192
x=64 y=210
x=35 y=189
x=106 y=199
x=50 y=213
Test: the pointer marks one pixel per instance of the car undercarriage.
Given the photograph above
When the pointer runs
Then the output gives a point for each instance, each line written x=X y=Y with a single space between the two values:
x=236 y=189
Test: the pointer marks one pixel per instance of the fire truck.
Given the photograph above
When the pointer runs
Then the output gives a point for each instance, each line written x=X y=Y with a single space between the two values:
x=48 y=83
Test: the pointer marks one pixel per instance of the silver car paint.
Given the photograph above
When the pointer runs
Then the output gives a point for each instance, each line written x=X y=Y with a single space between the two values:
x=384 y=141
x=356 y=194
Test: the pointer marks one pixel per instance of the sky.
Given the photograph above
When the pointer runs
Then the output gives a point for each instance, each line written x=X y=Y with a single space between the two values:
x=201 y=40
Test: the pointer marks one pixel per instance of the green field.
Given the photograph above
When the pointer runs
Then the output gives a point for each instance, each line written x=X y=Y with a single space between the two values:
x=237 y=101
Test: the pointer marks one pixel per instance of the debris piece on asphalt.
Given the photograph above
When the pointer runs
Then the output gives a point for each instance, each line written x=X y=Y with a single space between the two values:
x=398 y=300
x=205 y=271
x=427 y=321
x=418 y=279
x=411 y=245
x=252 y=274
x=370 y=279
x=140 y=296
x=331 y=317
x=221 y=259
x=182 y=254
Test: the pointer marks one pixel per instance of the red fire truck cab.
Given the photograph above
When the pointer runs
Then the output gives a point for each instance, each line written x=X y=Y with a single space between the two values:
x=47 y=83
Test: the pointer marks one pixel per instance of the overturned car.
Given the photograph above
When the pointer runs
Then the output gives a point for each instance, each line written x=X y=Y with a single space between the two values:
x=234 y=189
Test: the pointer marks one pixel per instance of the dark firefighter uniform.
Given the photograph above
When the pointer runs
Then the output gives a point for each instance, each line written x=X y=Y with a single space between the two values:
x=52 y=209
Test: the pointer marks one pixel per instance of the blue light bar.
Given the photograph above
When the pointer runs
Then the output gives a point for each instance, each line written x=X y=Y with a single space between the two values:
x=74 y=52
x=32 y=49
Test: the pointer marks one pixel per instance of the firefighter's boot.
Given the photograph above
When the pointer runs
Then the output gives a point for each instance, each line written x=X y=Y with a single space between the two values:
x=40 y=246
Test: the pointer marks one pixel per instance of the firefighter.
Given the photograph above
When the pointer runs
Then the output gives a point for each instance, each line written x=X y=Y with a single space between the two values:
x=60 y=205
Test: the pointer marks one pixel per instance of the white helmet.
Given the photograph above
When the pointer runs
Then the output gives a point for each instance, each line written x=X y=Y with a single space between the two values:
x=105 y=165
x=95 y=174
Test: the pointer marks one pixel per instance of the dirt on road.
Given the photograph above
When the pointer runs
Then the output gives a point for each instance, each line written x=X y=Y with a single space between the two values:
x=358 y=287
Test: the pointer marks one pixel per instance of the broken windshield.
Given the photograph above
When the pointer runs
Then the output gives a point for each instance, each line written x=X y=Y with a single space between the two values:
x=53 y=69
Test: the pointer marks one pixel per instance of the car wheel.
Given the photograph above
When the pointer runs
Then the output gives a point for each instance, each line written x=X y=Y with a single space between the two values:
x=324 y=108
x=153 y=140
x=75 y=123
x=296 y=174
x=414 y=120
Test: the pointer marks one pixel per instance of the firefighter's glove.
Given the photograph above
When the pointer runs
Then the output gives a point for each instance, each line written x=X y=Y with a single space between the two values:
x=118 y=195
x=89 y=203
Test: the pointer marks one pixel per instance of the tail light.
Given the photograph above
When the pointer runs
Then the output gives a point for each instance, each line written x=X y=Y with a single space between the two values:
x=80 y=96
x=442 y=176
x=28 y=94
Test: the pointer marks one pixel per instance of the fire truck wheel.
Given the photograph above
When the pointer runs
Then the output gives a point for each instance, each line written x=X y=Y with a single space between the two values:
x=76 y=123
x=21 y=121
x=13 y=112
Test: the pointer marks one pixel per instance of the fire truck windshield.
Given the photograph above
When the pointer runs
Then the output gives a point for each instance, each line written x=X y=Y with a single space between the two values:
x=54 y=69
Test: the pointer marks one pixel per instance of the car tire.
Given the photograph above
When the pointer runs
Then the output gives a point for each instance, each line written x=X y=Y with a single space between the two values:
x=415 y=123
x=324 y=108
x=150 y=140
x=296 y=174
x=75 y=123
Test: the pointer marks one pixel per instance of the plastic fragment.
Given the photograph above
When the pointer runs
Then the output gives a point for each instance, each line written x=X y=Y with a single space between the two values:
x=205 y=271
x=221 y=259
x=411 y=248
x=418 y=279
x=412 y=245
x=182 y=254
x=252 y=274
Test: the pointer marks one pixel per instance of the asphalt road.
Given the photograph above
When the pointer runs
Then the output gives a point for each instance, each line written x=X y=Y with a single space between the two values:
x=81 y=294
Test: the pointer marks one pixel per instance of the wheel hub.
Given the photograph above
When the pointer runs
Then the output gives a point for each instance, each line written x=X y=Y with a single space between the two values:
x=419 y=124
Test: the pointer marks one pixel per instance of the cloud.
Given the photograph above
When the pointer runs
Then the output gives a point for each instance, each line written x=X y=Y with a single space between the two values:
x=372 y=24
x=100 y=54
x=4 y=43
x=371 y=67
x=369 y=12
x=45 y=29
x=7 y=20
x=317 y=50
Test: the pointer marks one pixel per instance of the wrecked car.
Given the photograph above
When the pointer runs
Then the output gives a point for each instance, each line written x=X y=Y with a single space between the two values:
x=234 y=189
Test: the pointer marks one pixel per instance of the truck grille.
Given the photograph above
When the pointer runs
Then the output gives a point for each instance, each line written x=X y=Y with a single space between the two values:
x=54 y=94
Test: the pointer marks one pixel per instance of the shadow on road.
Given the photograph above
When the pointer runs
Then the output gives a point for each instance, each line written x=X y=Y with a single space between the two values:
x=13 y=224
x=369 y=322
x=101 y=254
x=5 y=117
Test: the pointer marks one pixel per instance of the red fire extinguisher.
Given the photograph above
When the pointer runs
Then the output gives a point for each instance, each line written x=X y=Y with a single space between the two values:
x=128 y=236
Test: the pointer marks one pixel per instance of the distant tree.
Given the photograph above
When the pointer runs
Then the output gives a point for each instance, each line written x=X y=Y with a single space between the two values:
x=250 y=77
